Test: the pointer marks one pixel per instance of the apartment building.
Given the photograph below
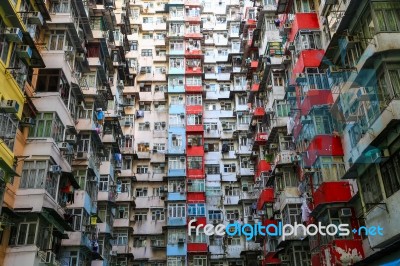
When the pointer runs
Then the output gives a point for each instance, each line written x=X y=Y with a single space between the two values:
x=331 y=143
x=122 y=121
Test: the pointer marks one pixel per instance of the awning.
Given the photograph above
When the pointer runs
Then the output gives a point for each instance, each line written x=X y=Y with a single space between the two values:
x=71 y=179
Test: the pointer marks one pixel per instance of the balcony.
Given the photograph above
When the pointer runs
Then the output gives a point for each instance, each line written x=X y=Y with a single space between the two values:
x=122 y=249
x=262 y=167
x=259 y=112
x=331 y=193
x=195 y=128
x=106 y=196
x=261 y=137
x=193 y=3
x=121 y=222
x=176 y=196
x=284 y=157
x=197 y=247
x=323 y=145
x=194 y=70
x=302 y=21
x=315 y=98
x=195 y=150
x=176 y=221
x=266 y=196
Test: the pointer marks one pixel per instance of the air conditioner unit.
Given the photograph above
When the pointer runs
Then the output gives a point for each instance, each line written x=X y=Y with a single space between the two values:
x=296 y=158
x=278 y=216
x=156 y=88
x=121 y=83
x=13 y=34
x=127 y=123
x=55 y=169
x=273 y=146
x=113 y=253
x=291 y=46
x=9 y=106
x=163 y=71
x=81 y=155
x=163 y=124
x=286 y=58
x=284 y=258
x=250 y=218
x=182 y=158
x=333 y=70
x=146 y=124
x=35 y=18
x=80 y=57
x=345 y=212
x=24 y=51
x=63 y=146
x=173 y=137
x=70 y=139
x=28 y=121
x=260 y=257
x=181 y=240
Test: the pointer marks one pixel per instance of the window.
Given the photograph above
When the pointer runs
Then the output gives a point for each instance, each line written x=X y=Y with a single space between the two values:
x=210 y=127
x=390 y=172
x=291 y=214
x=210 y=107
x=212 y=169
x=193 y=81
x=230 y=168
x=232 y=191
x=48 y=125
x=144 y=147
x=122 y=237
x=141 y=192
x=282 y=108
x=35 y=175
x=147 y=19
x=103 y=183
x=176 y=120
x=144 y=126
x=242 y=100
x=387 y=16
x=122 y=212
x=56 y=40
x=234 y=241
x=195 y=162
x=145 y=106
x=176 y=163
x=147 y=52
x=133 y=46
x=159 y=147
x=176 y=261
x=8 y=129
x=176 y=140
x=126 y=163
x=80 y=218
x=226 y=106
x=176 y=45
x=140 y=216
x=176 y=63
x=142 y=169
x=288 y=179
x=157 y=215
x=232 y=214
x=244 y=119
x=26 y=232
x=370 y=187
x=177 y=210
x=139 y=242
x=194 y=100
x=194 y=140
x=306 y=41
x=214 y=215
x=193 y=119
x=175 y=186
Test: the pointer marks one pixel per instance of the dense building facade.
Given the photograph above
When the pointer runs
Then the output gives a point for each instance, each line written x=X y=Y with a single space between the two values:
x=124 y=121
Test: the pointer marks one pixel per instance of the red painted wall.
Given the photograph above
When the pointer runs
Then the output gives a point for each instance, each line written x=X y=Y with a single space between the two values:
x=323 y=145
x=303 y=21
x=197 y=247
x=315 y=97
x=331 y=192
x=194 y=109
x=267 y=196
x=196 y=197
